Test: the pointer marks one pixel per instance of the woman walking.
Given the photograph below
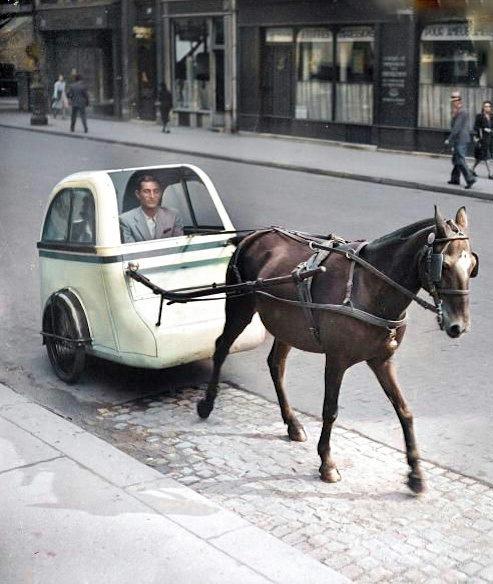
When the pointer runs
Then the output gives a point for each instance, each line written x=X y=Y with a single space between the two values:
x=483 y=137
x=60 y=101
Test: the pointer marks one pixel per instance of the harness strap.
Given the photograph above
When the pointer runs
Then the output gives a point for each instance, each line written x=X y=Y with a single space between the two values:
x=349 y=285
x=304 y=285
x=377 y=272
x=343 y=309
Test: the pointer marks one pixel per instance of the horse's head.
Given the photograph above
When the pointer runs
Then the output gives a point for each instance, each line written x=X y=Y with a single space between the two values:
x=450 y=265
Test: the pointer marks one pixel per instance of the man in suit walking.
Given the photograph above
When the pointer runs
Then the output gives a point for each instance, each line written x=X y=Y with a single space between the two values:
x=458 y=140
x=149 y=220
x=79 y=98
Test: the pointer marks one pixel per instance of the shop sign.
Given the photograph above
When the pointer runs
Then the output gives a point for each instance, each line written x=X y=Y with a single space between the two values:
x=358 y=33
x=458 y=32
x=279 y=35
x=394 y=76
x=315 y=35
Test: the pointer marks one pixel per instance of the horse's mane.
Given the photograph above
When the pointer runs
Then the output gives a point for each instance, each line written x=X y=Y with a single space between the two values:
x=404 y=232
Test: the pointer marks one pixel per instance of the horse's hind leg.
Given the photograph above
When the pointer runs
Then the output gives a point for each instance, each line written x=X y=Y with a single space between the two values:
x=239 y=313
x=333 y=379
x=277 y=365
x=387 y=376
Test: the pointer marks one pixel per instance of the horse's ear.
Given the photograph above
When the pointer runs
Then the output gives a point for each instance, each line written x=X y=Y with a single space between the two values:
x=461 y=219
x=440 y=223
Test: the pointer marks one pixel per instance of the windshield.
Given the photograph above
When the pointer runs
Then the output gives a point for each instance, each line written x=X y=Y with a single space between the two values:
x=183 y=191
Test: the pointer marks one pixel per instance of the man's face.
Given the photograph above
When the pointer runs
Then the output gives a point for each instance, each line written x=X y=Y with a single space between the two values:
x=456 y=105
x=149 y=195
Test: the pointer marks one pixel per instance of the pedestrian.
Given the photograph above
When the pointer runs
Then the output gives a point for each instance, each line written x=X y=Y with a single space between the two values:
x=60 y=101
x=483 y=126
x=150 y=220
x=458 y=140
x=165 y=104
x=79 y=98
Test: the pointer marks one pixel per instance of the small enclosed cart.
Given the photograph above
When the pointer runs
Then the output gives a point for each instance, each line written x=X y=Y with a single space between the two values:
x=91 y=304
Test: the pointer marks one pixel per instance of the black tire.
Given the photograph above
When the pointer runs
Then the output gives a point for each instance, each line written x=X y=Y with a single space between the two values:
x=67 y=358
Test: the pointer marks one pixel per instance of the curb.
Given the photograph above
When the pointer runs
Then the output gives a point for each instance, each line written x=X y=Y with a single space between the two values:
x=406 y=184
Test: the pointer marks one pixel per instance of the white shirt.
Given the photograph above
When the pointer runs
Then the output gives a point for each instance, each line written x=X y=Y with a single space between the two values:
x=151 y=223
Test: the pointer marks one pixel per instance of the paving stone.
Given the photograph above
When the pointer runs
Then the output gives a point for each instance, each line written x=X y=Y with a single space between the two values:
x=369 y=526
x=486 y=573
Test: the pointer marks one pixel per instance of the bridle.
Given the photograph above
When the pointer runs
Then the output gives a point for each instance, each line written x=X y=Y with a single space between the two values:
x=432 y=271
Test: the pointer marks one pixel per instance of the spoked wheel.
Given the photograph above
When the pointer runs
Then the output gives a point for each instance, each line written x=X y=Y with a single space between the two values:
x=67 y=358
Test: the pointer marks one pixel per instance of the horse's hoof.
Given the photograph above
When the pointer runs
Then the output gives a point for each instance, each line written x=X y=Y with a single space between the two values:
x=330 y=475
x=296 y=432
x=416 y=483
x=204 y=409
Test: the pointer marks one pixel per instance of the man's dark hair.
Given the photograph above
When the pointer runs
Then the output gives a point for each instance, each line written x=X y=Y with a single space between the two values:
x=77 y=77
x=147 y=178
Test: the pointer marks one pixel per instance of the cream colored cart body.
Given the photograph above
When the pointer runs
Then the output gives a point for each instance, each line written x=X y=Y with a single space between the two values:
x=90 y=304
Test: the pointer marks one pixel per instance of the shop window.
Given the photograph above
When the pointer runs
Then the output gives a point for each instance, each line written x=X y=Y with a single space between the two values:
x=315 y=73
x=192 y=57
x=355 y=49
x=454 y=57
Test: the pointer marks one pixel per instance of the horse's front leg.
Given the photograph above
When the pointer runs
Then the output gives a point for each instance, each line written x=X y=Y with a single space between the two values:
x=386 y=374
x=239 y=313
x=277 y=365
x=333 y=380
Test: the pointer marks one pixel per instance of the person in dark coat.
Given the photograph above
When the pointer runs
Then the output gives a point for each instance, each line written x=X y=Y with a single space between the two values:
x=79 y=98
x=483 y=138
x=165 y=104
x=458 y=140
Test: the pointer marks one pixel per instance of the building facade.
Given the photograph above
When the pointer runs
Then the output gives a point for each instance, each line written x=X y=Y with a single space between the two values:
x=374 y=73
x=378 y=72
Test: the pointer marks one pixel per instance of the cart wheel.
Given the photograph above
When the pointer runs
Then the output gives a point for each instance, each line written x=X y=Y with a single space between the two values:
x=67 y=359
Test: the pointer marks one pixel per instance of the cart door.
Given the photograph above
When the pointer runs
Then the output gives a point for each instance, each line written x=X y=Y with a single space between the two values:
x=185 y=332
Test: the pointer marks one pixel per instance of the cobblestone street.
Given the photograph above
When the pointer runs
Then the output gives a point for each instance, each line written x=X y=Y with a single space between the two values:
x=369 y=526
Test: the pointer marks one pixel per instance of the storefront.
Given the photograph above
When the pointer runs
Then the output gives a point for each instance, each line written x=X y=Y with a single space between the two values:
x=321 y=75
x=83 y=41
x=454 y=57
x=200 y=61
x=379 y=74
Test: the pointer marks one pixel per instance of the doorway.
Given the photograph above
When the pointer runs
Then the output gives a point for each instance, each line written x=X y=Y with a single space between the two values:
x=146 y=63
x=277 y=100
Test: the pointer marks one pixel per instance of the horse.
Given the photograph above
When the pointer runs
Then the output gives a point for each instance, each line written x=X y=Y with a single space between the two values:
x=351 y=308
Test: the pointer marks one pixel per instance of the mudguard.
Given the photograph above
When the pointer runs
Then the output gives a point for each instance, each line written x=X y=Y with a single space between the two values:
x=71 y=302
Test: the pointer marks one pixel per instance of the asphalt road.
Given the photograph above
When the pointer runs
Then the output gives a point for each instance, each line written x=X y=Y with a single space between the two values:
x=447 y=382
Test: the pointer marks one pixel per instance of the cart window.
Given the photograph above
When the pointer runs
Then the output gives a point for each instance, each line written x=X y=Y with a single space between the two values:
x=205 y=211
x=56 y=224
x=82 y=218
x=71 y=218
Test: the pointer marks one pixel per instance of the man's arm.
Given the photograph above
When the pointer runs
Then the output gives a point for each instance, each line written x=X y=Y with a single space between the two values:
x=177 y=227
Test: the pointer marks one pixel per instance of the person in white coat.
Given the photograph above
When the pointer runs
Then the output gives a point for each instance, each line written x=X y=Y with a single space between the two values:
x=60 y=100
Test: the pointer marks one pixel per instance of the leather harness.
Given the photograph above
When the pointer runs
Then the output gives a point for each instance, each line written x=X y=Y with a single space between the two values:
x=351 y=250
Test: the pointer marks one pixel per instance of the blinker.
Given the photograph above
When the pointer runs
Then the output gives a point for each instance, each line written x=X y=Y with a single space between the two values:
x=436 y=266
x=475 y=270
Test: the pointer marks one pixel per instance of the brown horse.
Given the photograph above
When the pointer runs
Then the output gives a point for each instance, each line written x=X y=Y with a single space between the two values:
x=352 y=311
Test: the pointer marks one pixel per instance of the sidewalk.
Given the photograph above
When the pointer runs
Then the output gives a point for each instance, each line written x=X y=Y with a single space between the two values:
x=363 y=163
x=76 y=510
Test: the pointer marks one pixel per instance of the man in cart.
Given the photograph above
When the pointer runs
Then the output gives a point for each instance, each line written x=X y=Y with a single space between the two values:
x=150 y=220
